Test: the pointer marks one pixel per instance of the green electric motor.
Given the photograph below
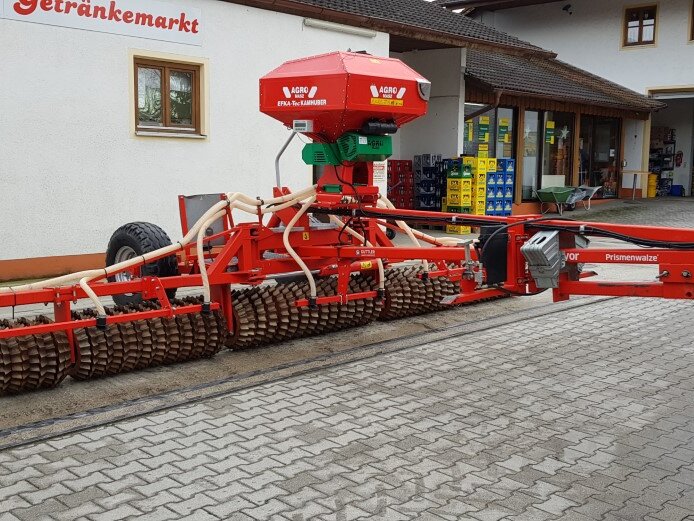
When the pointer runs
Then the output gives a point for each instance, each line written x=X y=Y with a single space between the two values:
x=350 y=147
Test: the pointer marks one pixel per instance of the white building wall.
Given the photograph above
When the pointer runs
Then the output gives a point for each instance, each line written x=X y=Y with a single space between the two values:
x=591 y=38
x=72 y=170
x=441 y=131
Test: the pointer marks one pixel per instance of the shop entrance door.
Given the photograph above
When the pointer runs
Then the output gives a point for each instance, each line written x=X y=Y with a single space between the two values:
x=599 y=154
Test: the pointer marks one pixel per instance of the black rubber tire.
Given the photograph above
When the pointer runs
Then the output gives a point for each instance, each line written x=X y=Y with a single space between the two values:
x=142 y=238
x=390 y=233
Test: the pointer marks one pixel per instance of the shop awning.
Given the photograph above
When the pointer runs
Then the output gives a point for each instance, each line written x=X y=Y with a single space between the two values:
x=539 y=76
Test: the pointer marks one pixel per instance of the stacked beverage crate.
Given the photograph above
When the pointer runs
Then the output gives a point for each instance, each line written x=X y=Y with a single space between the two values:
x=500 y=187
x=478 y=167
x=458 y=193
x=429 y=183
x=401 y=183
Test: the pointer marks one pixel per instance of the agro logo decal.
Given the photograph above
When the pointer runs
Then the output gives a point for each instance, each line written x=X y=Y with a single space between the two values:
x=387 y=95
x=300 y=96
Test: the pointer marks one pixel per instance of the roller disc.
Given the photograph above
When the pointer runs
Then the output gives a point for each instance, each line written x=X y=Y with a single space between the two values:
x=268 y=314
x=187 y=335
x=166 y=338
x=54 y=349
x=408 y=295
x=93 y=349
x=15 y=375
x=213 y=341
x=144 y=340
x=131 y=346
x=115 y=349
x=197 y=325
x=246 y=329
x=5 y=360
x=31 y=359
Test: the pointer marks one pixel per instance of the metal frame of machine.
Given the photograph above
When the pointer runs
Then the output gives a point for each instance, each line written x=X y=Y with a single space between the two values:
x=347 y=103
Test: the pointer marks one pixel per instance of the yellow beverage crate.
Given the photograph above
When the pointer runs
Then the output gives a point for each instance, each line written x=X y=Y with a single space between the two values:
x=461 y=185
x=457 y=229
x=479 y=211
x=480 y=178
x=480 y=164
x=459 y=199
x=491 y=165
x=479 y=190
x=468 y=160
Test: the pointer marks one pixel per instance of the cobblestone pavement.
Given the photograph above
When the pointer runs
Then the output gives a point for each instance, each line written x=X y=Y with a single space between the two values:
x=578 y=415
x=666 y=211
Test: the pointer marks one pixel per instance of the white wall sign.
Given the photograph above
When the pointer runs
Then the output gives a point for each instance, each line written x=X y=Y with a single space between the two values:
x=152 y=19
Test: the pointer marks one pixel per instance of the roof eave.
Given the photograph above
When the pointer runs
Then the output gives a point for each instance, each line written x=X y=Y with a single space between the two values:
x=396 y=29
x=531 y=94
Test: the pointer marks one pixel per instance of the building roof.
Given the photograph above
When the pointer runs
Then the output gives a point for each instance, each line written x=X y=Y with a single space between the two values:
x=538 y=76
x=414 y=19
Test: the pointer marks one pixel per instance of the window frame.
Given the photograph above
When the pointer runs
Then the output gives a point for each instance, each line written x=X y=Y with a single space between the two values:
x=166 y=68
x=625 y=25
x=541 y=147
x=493 y=113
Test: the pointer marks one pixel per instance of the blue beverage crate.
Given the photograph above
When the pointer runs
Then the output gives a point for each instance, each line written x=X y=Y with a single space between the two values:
x=506 y=165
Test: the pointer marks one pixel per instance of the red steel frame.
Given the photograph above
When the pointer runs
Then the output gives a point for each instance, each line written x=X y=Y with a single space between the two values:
x=323 y=252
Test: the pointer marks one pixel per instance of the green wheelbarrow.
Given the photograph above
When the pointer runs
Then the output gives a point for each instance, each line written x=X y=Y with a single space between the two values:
x=564 y=197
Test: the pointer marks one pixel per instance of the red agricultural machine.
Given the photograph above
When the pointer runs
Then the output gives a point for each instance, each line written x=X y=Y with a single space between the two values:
x=310 y=261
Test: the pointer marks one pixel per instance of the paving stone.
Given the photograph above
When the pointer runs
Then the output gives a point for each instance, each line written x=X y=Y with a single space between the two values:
x=477 y=427
x=43 y=510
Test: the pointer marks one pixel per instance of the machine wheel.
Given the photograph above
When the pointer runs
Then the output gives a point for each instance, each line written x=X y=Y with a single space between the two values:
x=135 y=239
x=390 y=234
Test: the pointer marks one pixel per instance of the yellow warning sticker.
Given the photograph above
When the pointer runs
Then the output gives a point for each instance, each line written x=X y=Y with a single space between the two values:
x=366 y=265
x=306 y=236
x=387 y=102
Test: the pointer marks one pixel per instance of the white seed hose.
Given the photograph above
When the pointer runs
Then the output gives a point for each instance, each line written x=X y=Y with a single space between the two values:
x=201 y=255
x=238 y=201
x=233 y=200
x=290 y=250
x=404 y=227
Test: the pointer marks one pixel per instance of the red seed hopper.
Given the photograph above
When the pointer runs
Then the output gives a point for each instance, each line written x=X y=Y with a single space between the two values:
x=327 y=95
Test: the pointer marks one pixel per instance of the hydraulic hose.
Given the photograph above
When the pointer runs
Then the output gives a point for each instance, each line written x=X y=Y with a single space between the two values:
x=201 y=235
x=404 y=227
x=201 y=256
x=245 y=203
x=115 y=268
x=294 y=255
x=101 y=311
